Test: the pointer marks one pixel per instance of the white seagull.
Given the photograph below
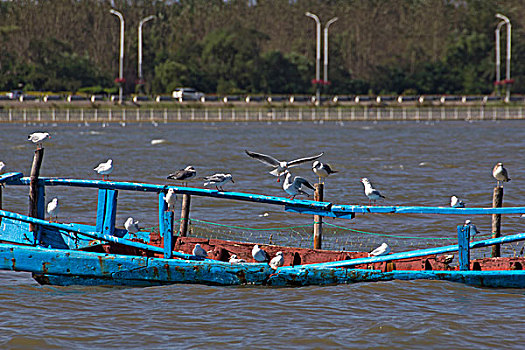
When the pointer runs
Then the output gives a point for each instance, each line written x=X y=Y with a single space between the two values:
x=280 y=166
x=183 y=175
x=455 y=202
x=171 y=199
x=259 y=254
x=473 y=229
x=294 y=187
x=500 y=174
x=104 y=168
x=2 y=166
x=371 y=192
x=277 y=261
x=199 y=251
x=383 y=249
x=218 y=180
x=38 y=138
x=235 y=260
x=322 y=170
x=52 y=209
x=131 y=225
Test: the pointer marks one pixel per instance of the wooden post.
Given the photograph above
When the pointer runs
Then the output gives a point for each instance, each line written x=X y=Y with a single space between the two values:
x=497 y=202
x=185 y=214
x=463 y=247
x=318 y=219
x=33 y=186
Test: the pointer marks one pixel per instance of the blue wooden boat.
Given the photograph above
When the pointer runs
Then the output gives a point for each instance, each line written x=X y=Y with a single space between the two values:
x=101 y=254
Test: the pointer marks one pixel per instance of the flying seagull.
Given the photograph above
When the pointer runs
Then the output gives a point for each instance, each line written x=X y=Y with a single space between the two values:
x=279 y=166
x=500 y=174
x=38 y=138
x=218 y=180
x=370 y=191
x=322 y=170
x=295 y=187
x=183 y=175
x=104 y=168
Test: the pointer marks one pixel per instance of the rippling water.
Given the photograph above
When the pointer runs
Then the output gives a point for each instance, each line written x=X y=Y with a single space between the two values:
x=410 y=163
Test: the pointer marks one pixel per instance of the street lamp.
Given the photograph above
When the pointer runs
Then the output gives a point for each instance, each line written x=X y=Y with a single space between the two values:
x=144 y=20
x=318 y=56
x=508 y=81
x=120 y=79
x=326 y=48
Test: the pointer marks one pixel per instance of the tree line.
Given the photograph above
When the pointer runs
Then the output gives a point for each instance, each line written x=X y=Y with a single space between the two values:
x=259 y=46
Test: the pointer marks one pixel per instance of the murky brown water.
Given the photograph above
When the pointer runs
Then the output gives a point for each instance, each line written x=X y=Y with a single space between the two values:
x=410 y=163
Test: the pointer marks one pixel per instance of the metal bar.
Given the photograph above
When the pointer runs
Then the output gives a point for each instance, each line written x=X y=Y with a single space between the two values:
x=101 y=209
x=419 y=253
x=110 y=212
x=166 y=226
x=463 y=247
x=95 y=235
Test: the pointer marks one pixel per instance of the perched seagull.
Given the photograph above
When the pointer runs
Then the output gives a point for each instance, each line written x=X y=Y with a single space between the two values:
x=235 y=260
x=280 y=166
x=371 y=192
x=38 y=138
x=448 y=258
x=104 y=168
x=383 y=249
x=183 y=174
x=322 y=170
x=199 y=251
x=259 y=254
x=294 y=187
x=500 y=174
x=132 y=226
x=2 y=166
x=473 y=229
x=52 y=208
x=218 y=180
x=277 y=261
x=455 y=202
x=171 y=199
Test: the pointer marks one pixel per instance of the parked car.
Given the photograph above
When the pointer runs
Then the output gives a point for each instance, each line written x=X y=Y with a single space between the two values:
x=187 y=94
x=15 y=94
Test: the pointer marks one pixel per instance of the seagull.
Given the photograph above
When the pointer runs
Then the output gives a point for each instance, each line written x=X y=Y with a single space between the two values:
x=235 y=260
x=280 y=166
x=371 y=192
x=500 y=174
x=218 y=180
x=455 y=202
x=294 y=187
x=2 y=166
x=277 y=261
x=132 y=226
x=52 y=209
x=259 y=254
x=383 y=249
x=199 y=251
x=38 y=138
x=105 y=168
x=448 y=258
x=171 y=199
x=473 y=229
x=183 y=174
x=322 y=169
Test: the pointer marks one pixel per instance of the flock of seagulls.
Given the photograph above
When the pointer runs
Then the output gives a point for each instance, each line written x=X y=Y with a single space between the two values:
x=292 y=185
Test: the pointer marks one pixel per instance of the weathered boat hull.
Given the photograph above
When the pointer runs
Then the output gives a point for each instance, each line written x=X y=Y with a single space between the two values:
x=60 y=267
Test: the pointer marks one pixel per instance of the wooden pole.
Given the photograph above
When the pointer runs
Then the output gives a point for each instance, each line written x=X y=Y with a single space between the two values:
x=185 y=214
x=33 y=185
x=318 y=219
x=497 y=202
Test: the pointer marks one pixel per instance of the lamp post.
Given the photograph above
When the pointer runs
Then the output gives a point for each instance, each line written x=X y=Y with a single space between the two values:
x=121 y=60
x=508 y=81
x=317 y=56
x=142 y=21
x=325 y=77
